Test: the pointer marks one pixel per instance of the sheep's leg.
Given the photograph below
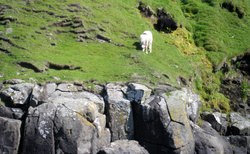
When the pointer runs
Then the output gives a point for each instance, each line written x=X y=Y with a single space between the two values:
x=150 y=47
x=146 y=49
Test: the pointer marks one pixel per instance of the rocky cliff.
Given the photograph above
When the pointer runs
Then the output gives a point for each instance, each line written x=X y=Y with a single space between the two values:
x=113 y=118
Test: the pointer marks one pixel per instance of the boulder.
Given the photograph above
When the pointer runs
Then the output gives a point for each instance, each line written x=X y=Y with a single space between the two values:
x=208 y=141
x=64 y=92
x=73 y=132
x=123 y=146
x=161 y=124
x=217 y=120
x=17 y=95
x=238 y=125
x=65 y=126
x=40 y=94
x=137 y=92
x=9 y=135
x=119 y=112
x=39 y=130
x=6 y=112
x=192 y=105
x=240 y=144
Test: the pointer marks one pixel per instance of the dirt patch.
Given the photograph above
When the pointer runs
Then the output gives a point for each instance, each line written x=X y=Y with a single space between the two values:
x=30 y=66
x=61 y=67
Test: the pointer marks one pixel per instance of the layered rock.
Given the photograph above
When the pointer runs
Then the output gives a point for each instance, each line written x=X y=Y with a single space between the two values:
x=64 y=118
x=123 y=146
x=119 y=112
x=161 y=124
x=10 y=135
x=207 y=140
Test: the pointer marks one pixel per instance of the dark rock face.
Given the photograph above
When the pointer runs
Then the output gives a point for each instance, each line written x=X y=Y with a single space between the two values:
x=123 y=146
x=161 y=124
x=207 y=140
x=240 y=144
x=38 y=130
x=9 y=135
x=165 y=24
x=234 y=85
x=242 y=63
x=119 y=113
x=239 y=125
x=217 y=120
x=17 y=95
x=233 y=8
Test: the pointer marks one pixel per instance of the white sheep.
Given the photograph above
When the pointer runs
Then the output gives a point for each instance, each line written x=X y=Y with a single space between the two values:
x=146 y=40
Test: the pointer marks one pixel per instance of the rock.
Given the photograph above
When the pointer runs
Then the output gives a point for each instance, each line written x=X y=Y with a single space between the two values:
x=13 y=113
x=242 y=63
x=217 y=120
x=238 y=125
x=192 y=105
x=39 y=130
x=9 y=135
x=65 y=126
x=74 y=133
x=60 y=97
x=240 y=144
x=162 y=89
x=6 y=112
x=14 y=81
x=119 y=112
x=9 y=30
x=137 y=92
x=147 y=11
x=123 y=146
x=64 y=92
x=180 y=130
x=207 y=140
x=40 y=94
x=17 y=95
x=67 y=87
x=161 y=124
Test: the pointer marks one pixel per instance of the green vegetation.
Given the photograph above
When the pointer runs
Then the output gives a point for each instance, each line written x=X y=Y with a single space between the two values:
x=207 y=34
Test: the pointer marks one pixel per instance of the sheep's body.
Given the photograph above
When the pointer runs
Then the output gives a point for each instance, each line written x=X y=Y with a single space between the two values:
x=146 y=40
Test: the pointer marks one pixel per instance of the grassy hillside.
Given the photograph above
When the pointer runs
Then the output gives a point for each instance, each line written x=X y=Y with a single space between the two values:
x=62 y=39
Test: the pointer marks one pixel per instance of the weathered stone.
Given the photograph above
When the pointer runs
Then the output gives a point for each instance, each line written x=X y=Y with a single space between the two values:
x=162 y=89
x=217 y=120
x=137 y=92
x=65 y=126
x=13 y=113
x=123 y=146
x=18 y=94
x=238 y=125
x=207 y=140
x=67 y=87
x=17 y=113
x=74 y=133
x=181 y=130
x=6 y=112
x=161 y=124
x=119 y=113
x=240 y=144
x=59 y=96
x=9 y=135
x=38 y=130
x=64 y=92
x=192 y=105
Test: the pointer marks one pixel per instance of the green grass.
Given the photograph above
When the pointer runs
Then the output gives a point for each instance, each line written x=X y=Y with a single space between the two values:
x=207 y=34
